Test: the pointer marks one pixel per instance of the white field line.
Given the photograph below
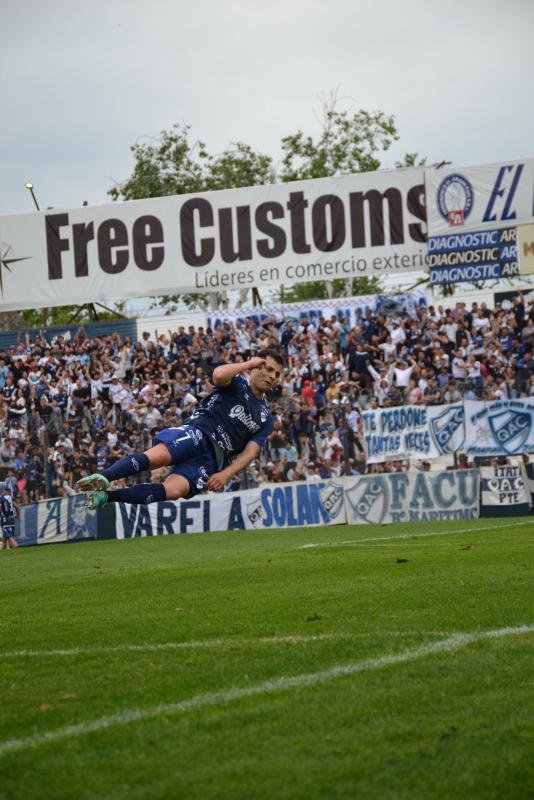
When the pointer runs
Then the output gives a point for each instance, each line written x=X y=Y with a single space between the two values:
x=207 y=644
x=412 y=535
x=278 y=684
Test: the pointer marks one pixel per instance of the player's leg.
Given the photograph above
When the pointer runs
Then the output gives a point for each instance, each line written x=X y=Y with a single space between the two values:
x=12 y=542
x=153 y=458
x=192 y=464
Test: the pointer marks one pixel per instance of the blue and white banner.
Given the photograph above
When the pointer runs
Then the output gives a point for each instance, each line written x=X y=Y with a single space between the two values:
x=503 y=490
x=412 y=432
x=398 y=305
x=413 y=497
x=59 y=519
x=499 y=427
x=274 y=506
x=473 y=256
x=488 y=196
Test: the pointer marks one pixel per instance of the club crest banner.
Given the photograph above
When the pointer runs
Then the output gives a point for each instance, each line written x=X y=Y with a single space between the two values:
x=412 y=432
x=413 y=497
x=499 y=427
x=398 y=305
x=478 y=197
x=503 y=489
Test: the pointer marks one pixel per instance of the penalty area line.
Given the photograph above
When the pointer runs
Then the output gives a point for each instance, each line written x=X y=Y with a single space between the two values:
x=129 y=716
x=342 y=543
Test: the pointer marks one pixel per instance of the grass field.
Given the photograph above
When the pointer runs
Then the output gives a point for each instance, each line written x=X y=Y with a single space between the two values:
x=341 y=662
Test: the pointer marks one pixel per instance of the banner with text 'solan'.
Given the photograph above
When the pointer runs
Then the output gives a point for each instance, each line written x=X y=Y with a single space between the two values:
x=274 y=506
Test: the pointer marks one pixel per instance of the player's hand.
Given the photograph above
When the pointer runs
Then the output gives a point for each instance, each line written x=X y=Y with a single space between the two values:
x=218 y=481
x=255 y=362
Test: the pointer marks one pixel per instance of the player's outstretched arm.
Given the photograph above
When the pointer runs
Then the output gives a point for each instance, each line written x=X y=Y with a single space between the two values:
x=219 y=479
x=223 y=374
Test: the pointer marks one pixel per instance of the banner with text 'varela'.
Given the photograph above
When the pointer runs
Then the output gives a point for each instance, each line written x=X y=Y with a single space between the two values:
x=370 y=224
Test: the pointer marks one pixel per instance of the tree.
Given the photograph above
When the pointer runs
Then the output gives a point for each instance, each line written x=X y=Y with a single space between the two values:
x=172 y=165
x=59 y=315
x=347 y=143
x=317 y=290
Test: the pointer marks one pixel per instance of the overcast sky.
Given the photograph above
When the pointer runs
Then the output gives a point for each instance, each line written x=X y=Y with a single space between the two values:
x=81 y=82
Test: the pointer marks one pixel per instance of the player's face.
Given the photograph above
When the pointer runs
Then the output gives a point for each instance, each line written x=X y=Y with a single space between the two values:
x=268 y=375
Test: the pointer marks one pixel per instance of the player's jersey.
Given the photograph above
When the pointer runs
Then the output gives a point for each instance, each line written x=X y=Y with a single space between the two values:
x=7 y=511
x=232 y=416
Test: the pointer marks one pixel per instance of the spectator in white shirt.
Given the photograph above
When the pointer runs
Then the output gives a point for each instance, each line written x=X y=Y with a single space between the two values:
x=403 y=372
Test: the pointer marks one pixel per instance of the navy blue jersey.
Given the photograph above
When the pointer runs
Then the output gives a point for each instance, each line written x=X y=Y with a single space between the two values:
x=232 y=416
x=7 y=511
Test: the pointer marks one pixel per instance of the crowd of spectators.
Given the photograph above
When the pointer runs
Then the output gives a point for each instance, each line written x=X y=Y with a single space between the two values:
x=70 y=407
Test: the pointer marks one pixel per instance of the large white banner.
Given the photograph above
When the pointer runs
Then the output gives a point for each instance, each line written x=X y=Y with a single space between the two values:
x=499 y=427
x=274 y=506
x=479 y=197
x=413 y=497
x=367 y=224
x=412 y=432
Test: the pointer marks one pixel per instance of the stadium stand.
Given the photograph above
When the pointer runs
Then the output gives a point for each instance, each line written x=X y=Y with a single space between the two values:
x=70 y=406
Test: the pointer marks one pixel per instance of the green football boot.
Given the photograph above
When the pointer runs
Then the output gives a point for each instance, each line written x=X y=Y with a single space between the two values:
x=92 y=483
x=94 y=500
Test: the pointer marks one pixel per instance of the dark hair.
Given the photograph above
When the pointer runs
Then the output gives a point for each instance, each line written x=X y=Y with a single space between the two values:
x=274 y=354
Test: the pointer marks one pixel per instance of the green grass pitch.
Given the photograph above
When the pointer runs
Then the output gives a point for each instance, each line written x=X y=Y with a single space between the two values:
x=307 y=663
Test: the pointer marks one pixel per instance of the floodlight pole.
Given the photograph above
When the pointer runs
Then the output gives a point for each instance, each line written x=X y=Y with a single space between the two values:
x=29 y=187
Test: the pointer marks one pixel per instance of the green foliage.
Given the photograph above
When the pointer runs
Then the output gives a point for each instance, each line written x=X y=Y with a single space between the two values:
x=172 y=165
x=346 y=144
x=317 y=290
x=67 y=315
x=410 y=160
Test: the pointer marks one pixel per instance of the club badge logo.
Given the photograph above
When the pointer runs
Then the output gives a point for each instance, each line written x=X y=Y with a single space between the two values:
x=255 y=513
x=369 y=500
x=448 y=430
x=332 y=499
x=455 y=199
x=510 y=429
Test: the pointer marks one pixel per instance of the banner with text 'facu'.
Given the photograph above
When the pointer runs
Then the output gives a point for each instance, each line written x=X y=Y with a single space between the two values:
x=367 y=224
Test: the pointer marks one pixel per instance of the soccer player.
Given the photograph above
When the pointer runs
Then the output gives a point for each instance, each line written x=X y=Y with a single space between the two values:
x=223 y=435
x=7 y=518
